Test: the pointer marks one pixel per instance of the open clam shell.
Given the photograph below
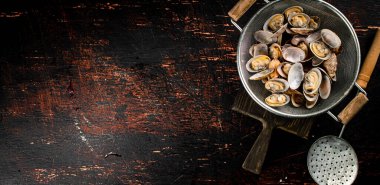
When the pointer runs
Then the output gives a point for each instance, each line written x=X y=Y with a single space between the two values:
x=320 y=50
x=312 y=81
x=299 y=20
x=258 y=63
x=316 y=61
x=302 y=31
x=311 y=104
x=258 y=49
x=297 y=99
x=310 y=97
x=297 y=39
x=277 y=85
x=275 y=51
x=273 y=65
x=325 y=88
x=277 y=100
x=261 y=75
x=292 y=10
x=274 y=23
x=314 y=23
x=283 y=69
x=265 y=37
x=303 y=46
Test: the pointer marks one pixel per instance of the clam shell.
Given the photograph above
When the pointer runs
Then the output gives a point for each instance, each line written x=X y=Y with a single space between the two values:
x=277 y=100
x=258 y=49
x=299 y=20
x=297 y=39
x=330 y=38
x=312 y=81
x=293 y=54
x=273 y=65
x=292 y=9
x=302 y=31
x=258 y=63
x=324 y=72
x=331 y=66
x=320 y=50
x=275 y=51
x=314 y=23
x=313 y=37
x=277 y=85
x=261 y=75
x=290 y=32
x=304 y=48
x=297 y=99
x=295 y=76
x=311 y=97
x=325 y=88
x=280 y=31
x=283 y=69
x=274 y=23
x=265 y=37
x=311 y=104
x=317 y=61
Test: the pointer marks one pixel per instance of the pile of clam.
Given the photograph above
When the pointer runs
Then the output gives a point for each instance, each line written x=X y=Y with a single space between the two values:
x=299 y=70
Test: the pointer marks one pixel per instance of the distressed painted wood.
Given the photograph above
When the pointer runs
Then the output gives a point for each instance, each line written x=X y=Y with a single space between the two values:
x=154 y=82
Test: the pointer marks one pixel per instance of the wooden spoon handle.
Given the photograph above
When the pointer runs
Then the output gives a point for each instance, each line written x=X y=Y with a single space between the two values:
x=240 y=8
x=369 y=62
x=256 y=156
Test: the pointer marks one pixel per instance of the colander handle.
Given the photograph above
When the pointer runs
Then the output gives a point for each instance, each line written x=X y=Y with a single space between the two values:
x=361 y=99
x=239 y=9
x=370 y=61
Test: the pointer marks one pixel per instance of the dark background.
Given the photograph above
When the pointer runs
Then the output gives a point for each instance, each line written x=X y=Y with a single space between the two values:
x=154 y=82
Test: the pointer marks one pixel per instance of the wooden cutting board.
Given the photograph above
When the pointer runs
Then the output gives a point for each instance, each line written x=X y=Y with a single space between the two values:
x=246 y=105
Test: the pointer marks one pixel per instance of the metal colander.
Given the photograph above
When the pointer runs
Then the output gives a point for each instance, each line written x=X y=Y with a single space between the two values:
x=349 y=59
x=332 y=160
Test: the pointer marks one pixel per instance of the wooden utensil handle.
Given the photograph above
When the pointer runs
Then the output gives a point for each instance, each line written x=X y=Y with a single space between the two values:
x=240 y=8
x=369 y=62
x=352 y=108
x=256 y=156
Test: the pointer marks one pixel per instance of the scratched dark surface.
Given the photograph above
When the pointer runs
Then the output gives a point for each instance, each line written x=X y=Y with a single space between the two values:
x=154 y=82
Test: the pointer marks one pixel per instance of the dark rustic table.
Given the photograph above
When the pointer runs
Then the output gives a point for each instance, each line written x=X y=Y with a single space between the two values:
x=151 y=83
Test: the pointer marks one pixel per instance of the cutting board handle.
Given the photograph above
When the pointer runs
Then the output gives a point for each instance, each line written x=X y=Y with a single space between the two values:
x=256 y=156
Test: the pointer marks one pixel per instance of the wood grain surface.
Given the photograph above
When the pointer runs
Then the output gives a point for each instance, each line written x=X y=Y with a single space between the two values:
x=151 y=84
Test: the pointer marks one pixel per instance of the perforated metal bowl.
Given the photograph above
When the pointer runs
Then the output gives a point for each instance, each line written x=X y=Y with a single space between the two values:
x=348 y=60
